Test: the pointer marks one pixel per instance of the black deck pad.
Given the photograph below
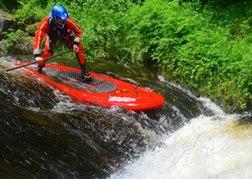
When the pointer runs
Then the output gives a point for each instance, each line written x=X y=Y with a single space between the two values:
x=72 y=78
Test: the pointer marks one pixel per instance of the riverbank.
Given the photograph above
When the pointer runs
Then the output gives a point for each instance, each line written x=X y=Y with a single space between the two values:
x=206 y=48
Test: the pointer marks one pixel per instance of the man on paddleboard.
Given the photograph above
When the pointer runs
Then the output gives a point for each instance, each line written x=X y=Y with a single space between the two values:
x=58 y=26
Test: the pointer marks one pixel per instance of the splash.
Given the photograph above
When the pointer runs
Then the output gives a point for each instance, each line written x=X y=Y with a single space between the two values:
x=207 y=147
x=216 y=146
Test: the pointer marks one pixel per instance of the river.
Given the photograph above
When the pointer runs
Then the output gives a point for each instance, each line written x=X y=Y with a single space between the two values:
x=45 y=134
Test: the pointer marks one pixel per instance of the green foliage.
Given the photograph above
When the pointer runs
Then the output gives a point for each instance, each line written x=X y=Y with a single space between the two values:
x=157 y=29
x=32 y=11
x=13 y=39
x=201 y=50
x=217 y=3
x=102 y=26
x=8 y=5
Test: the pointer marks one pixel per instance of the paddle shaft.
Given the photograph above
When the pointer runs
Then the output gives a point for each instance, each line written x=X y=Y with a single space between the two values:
x=36 y=62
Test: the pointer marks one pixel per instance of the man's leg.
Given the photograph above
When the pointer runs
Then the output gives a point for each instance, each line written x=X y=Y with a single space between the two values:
x=48 y=51
x=85 y=76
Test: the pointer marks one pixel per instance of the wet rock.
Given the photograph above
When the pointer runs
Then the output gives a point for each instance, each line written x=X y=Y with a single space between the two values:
x=3 y=44
x=24 y=46
x=21 y=44
x=6 y=20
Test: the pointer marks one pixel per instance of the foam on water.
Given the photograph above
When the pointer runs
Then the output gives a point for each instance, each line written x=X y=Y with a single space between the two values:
x=207 y=147
x=211 y=106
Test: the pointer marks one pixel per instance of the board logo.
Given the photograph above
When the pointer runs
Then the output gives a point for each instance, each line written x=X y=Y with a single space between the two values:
x=121 y=99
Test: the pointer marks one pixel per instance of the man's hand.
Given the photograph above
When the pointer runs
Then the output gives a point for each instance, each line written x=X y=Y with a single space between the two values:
x=75 y=48
x=39 y=59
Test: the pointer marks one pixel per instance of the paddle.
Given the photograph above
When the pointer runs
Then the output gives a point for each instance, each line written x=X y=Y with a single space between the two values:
x=36 y=62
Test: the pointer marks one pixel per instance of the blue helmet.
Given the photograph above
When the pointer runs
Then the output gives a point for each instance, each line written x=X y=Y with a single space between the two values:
x=59 y=15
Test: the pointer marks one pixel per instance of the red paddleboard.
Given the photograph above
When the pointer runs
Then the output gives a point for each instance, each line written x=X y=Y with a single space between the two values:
x=102 y=90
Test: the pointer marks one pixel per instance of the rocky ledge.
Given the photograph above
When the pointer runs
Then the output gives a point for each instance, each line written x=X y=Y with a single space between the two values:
x=22 y=45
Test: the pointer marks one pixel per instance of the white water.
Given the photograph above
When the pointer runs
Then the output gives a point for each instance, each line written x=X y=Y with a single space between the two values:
x=206 y=147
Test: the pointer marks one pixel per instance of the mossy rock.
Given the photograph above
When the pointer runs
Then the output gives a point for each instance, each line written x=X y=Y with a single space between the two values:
x=23 y=46
x=31 y=29
x=6 y=21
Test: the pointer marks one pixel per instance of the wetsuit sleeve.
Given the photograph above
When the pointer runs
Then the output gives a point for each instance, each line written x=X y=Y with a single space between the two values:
x=40 y=33
x=76 y=28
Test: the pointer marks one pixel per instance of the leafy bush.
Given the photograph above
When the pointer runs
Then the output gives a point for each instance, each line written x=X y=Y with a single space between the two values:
x=201 y=50
x=17 y=39
x=32 y=11
x=8 y=5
